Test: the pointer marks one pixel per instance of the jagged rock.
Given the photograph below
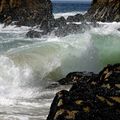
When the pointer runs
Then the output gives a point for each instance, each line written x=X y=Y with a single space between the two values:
x=104 y=10
x=25 y=12
x=75 y=77
x=76 y=18
x=68 y=29
x=47 y=25
x=71 y=28
x=61 y=29
x=92 y=97
x=60 y=22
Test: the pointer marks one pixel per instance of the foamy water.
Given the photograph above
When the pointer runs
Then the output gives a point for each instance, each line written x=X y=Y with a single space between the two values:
x=27 y=65
x=65 y=15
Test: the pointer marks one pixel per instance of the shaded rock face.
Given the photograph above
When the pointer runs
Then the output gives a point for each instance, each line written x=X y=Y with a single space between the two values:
x=92 y=97
x=26 y=12
x=104 y=10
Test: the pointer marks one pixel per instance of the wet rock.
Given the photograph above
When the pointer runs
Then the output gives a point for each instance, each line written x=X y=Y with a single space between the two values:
x=118 y=29
x=75 y=77
x=104 y=10
x=7 y=21
x=93 y=96
x=71 y=28
x=76 y=18
x=34 y=34
x=68 y=29
x=26 y=12
x=47 y=26
x=60 y=22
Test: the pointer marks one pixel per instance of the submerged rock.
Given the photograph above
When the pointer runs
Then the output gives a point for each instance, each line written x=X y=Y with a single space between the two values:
x=92 y=96
x=25 y=12
x=104 y=10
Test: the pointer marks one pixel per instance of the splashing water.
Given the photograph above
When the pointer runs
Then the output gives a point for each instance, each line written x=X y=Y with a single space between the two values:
x=27 y=65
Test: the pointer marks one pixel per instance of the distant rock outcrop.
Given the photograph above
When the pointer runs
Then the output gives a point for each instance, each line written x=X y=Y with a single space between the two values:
x=25 y=12
x=104 y=10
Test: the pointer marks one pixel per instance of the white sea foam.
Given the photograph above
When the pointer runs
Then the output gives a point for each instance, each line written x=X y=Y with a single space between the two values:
x=12 y=78
x=107 y=28
x=13 y=29
x=57 y=15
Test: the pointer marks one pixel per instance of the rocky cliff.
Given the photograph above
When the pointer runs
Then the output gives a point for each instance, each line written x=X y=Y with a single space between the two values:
x=26 y=12
x=104 y=10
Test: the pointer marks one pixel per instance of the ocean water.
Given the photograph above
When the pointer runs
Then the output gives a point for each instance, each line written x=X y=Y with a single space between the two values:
x=28 y=66
x=70 y=6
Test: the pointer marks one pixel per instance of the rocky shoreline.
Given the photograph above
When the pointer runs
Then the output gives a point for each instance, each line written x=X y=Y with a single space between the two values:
x=39 y=13
x=91 y=97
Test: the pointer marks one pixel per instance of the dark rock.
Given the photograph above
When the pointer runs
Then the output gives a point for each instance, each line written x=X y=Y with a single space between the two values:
x=76 y=18
x=26 y=12
x=104 y=10
x=71 y=28
x=92 y=97
x=60 y=22
x=47 y=25
x=61 y=29
x=8 y=21
x=75 y=77
x=35 y=34
x=68 y=29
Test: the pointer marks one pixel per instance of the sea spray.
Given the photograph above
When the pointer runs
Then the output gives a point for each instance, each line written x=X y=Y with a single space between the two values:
x=28 y=66
x=12 y=77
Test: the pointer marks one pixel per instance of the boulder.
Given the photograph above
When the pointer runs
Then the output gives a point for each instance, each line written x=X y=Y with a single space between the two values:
x=25 y=12
x=76 y=18
x=92 y=97
x=104 y=10
x=60 y=22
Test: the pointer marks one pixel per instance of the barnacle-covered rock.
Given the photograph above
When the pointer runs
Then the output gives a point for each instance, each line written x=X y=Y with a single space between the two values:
x=91 y=97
